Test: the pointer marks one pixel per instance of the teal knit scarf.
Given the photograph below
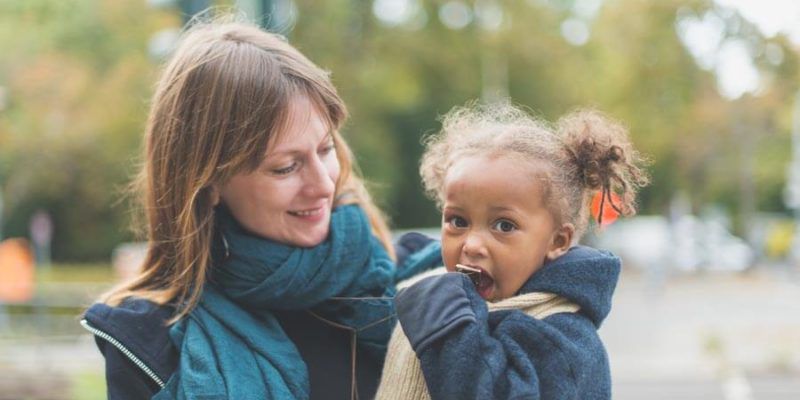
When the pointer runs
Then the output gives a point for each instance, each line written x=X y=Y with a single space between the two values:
x=232 y=346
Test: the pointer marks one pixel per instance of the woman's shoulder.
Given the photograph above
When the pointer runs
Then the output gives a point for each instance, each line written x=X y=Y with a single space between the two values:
x=134 y=317
x=416 y=253
x=139 y=330
x=409 y=243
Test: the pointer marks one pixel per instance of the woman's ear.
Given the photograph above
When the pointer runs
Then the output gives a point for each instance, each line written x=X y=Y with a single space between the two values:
x=213 y=195
x=561 y=241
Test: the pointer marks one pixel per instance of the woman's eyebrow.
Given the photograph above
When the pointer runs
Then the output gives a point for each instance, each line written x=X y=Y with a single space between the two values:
x=292 y=152
x=295 y=151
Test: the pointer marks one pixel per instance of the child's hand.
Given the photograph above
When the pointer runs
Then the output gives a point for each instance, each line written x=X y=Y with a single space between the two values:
x=433 y=306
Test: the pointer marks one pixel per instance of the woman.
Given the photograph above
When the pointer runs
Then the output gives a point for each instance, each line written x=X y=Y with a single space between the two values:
x=268 y=265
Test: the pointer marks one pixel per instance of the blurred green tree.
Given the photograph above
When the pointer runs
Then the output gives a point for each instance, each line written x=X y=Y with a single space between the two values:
x=78 y=77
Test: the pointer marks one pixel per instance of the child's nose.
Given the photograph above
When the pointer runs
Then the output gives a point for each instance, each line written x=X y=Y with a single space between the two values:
x=474 y=246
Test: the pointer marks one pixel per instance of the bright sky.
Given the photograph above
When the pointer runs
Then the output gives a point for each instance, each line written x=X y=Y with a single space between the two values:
x=736 y=74
x=771 y=16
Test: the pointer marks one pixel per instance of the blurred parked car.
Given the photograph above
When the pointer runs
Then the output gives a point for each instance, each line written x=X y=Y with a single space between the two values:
x=688 y=244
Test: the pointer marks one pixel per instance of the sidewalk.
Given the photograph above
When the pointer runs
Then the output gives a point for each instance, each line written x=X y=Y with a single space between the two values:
x=729 y=334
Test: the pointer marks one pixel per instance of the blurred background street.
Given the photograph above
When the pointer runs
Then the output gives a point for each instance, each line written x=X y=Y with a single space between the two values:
x=708 y=306
x=726 y=336
x=729 y=336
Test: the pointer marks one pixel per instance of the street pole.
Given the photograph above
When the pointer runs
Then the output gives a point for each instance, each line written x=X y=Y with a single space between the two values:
x=1 y=213
x=3 y=103
x=494 y=63
x=273 y=15
x=190 y=8
x=792 y=192
x=745 y=136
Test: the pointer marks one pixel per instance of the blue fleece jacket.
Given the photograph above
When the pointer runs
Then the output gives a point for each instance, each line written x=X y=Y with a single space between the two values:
x=468 y=353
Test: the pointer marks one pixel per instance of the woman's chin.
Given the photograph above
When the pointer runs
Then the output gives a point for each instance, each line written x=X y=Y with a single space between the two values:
x=310 y=239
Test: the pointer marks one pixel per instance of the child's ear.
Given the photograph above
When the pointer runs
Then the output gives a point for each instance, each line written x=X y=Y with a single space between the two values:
x=561 y=241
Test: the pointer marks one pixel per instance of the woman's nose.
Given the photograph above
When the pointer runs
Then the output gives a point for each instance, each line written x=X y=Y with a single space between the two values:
x=318 y=179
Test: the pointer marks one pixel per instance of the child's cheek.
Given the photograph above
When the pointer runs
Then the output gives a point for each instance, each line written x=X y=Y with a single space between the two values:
x=502 y=288
x=497 y=292
x=449 y=256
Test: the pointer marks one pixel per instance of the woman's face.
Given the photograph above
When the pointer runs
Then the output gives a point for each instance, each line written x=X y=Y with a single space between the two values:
x=289 y=197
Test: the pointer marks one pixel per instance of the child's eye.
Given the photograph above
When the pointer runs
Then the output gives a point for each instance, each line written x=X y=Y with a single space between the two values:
x=285 y=170
x=457 y=222
x=504 y=225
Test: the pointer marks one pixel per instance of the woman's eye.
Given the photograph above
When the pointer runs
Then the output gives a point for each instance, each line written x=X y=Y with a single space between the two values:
x=327 y=149
x=285 y=170
x=457 y=222
x=504 y=226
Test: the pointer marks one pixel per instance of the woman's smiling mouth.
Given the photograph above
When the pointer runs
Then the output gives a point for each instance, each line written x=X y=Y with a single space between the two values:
x=306 y=213
x=309 y=215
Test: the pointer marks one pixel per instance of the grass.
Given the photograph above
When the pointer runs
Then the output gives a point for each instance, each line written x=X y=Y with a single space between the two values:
x=62 y=290
x=88 y=386
x=76 y=273
x=62 y=293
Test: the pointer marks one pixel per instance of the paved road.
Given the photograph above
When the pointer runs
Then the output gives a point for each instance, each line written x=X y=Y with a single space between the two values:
x=760 y=388
x=709 y=337
x=713 y=336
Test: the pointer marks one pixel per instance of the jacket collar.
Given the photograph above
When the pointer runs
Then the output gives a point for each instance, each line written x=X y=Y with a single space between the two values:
x=584 y=275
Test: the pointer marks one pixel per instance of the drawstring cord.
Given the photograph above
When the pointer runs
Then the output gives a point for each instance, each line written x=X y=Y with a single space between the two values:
x=353 y=337
x=353 y=331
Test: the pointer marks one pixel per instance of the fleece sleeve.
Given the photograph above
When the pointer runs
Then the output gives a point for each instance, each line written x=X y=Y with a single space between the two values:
x=468 y=353
x=124 y=380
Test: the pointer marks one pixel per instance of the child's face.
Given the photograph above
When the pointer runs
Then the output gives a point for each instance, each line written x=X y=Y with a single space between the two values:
x=494 y=220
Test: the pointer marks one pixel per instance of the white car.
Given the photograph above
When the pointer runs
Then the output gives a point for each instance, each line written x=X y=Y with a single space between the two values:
x=688 y=244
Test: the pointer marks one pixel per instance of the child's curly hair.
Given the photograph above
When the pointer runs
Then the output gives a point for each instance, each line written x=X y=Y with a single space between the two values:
x=585 y=152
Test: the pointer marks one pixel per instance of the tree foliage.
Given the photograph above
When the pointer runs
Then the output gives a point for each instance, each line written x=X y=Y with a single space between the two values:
x=78 y=79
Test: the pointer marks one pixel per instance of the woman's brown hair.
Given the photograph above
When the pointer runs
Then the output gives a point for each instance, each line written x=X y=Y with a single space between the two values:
x=222 y=100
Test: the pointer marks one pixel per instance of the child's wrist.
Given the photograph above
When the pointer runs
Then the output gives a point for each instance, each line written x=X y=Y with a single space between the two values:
x=433 y=307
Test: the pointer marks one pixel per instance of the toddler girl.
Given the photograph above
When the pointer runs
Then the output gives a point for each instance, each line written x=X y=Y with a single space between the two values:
x=521 y=321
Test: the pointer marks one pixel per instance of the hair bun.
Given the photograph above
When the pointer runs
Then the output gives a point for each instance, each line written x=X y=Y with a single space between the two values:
x=593 y=161
x=603 y=156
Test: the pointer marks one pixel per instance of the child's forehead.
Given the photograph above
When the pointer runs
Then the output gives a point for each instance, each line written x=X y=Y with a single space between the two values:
x=494 y=183
x=477 y=168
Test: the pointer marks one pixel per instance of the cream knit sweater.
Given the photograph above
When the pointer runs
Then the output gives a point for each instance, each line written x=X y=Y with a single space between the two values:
x=402 y=377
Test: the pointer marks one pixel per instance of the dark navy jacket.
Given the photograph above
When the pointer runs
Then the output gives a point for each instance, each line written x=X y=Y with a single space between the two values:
x=468 y=353
x=140 y=357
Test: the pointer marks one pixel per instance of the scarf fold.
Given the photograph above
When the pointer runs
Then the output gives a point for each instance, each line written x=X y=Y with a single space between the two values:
x=232 y=346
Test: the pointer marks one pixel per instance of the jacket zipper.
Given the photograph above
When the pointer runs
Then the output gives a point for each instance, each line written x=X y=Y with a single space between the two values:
x=108 y=338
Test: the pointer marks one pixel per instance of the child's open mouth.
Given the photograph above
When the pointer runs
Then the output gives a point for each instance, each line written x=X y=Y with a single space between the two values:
x=484 y=283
